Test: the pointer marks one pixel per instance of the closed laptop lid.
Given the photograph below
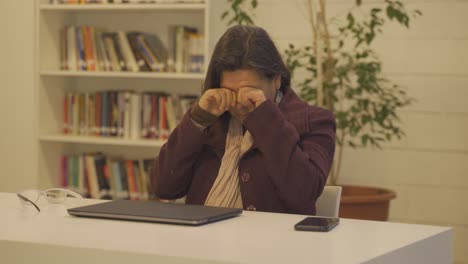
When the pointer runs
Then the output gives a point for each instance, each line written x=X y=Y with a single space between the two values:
x=153 y=211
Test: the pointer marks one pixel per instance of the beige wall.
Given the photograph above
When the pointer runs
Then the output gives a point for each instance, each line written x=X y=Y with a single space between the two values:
x=17 y=144
x=428 y=169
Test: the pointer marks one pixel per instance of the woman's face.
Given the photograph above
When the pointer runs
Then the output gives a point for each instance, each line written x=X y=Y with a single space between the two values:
x=235 y=80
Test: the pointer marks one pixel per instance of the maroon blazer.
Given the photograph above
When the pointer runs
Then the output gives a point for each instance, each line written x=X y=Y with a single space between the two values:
x=284 y=171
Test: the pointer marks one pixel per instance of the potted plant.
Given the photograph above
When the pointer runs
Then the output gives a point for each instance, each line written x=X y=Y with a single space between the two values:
x=344 y=75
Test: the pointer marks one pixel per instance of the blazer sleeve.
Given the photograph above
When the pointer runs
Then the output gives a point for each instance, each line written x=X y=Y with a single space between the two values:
x=173 y=170
x=297 y=163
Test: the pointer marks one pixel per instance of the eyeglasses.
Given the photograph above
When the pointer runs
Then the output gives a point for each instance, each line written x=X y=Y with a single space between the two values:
x=54 y=195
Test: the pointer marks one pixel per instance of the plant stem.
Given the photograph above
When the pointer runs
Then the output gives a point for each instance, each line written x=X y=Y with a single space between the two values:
x=330 y=61
x=317 y=50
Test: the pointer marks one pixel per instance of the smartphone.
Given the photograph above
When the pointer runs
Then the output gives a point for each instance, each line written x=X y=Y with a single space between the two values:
x=320 y=224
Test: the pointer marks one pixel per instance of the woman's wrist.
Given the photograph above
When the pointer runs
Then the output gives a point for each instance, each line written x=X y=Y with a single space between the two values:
x=202 y=117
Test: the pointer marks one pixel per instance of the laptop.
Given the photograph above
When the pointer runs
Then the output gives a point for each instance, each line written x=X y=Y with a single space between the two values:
x=152 y=211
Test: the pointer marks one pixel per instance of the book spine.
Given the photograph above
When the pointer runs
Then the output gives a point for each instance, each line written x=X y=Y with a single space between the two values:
x=114 y=113
x=81 y=50
x=135 y=125
x=142 y=65
x=124 y=179
x=127 y=105
x=127 y=53
x=98 y=111
x=76 y=114
x=121 y=114
x=147 y=55
x=154 y=117
x=82 y=114
x=63 y=49
x=118 y=180
x=104 y=114
x=71 y=49
x=143 y=179
x=104 y=190
x=131 y=180
x=110 y=49
x=92 y=177
x=88 y=45
x=118 y=52
x=138 y=184
x=163 y=127
x=81 y=188
x=63 y=171
x=106 y=60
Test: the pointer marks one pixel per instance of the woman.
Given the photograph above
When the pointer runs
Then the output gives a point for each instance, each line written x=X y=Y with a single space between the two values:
x=249 y=141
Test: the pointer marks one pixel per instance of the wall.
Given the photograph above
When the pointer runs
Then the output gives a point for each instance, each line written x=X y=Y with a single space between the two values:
x=17 y=144
x=429 y=168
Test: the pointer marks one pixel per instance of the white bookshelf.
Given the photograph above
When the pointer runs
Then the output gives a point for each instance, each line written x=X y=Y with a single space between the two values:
x=52 y=83
x=94 y=140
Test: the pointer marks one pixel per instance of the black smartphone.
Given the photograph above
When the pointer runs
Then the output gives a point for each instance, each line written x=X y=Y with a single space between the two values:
x=320 y=224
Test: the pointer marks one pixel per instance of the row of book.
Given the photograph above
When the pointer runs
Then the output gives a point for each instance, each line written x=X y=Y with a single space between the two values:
x=87 y=48
x=125 y=1
x=97 y=176
x=124 y=114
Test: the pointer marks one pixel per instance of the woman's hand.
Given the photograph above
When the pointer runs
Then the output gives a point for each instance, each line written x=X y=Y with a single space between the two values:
x=248 y=99
x=217 y=101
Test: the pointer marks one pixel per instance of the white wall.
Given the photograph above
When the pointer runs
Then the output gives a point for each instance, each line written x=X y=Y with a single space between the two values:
x=17 y=144
x=429 y=168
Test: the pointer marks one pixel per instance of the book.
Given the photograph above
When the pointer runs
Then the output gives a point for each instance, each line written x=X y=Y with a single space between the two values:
x=111 y=51
x=131 y=180
x=80 y=46
x=92 y=176
x=140 y=60
x=135 y=113
x=72 y=54
x=63 y=49
x=127 y=53
x=104 y=188
x=118 y=51
x=157 y=48
x=88 y=48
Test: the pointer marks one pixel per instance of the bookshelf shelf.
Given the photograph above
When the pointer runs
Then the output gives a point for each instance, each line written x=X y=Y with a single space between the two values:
x=59 y=138
x=147 y=75
x=122 y=7
x=59 y=93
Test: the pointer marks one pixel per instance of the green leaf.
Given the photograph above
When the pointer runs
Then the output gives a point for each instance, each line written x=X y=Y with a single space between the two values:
x=390 y=12
x=235 y=4
x=351 y=20
x=375 y=10
x=254 y=3
x=224 y=15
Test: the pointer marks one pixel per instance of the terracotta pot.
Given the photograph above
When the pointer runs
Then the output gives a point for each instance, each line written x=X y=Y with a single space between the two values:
x=367 y=203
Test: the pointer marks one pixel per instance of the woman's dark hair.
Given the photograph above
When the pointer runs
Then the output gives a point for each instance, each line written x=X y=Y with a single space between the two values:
x=246 y=47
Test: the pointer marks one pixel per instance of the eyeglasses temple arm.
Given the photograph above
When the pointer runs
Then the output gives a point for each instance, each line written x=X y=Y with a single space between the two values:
x=24 y=198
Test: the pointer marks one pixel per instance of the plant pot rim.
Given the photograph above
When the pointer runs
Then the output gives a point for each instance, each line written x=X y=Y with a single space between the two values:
x=381 y=195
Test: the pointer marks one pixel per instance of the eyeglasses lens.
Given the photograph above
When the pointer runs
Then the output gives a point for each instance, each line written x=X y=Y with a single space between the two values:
x=55 y=196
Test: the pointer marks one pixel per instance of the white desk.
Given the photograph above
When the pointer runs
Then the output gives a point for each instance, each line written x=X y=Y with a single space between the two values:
x=52 y=236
